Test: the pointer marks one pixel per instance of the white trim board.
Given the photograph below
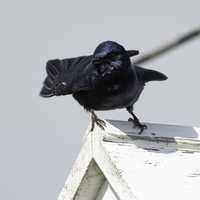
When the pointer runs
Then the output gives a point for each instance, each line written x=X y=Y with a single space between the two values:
x=132 y=163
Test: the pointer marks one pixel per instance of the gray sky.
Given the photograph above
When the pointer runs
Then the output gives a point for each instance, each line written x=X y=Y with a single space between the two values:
x=40 y=138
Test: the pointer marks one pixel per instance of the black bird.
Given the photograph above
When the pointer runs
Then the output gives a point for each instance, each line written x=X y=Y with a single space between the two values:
x=105 y=80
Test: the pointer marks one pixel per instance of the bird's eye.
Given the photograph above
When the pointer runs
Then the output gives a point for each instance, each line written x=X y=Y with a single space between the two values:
x=114 y=56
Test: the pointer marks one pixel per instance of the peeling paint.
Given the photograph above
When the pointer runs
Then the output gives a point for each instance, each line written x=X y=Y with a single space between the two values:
x=195 y=174
x=151 y=149
x=188 y=151
x=137 y=166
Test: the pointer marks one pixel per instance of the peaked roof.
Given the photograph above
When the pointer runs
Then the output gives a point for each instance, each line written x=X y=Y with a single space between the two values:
x=160 y=164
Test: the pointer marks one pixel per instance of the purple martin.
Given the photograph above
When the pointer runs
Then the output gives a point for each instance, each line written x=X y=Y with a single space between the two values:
x=105 y=80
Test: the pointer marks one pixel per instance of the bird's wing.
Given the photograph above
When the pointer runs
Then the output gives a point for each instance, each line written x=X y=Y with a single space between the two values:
x=147 y=75
x=76 y=64
x=69 y=68
x=82 y=73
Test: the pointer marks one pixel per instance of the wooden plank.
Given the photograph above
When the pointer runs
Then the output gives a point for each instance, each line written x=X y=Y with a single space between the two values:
x=163 y=163
x=109 y=169
x=91 y=184
x=157 y=175
x=106 y=193
x=77 y=172
x=157 y=136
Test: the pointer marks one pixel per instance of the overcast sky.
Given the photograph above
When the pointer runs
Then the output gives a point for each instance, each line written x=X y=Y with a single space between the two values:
x=40 y=138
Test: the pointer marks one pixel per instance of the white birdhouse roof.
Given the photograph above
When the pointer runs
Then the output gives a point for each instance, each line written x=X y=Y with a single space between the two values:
x=160 y=164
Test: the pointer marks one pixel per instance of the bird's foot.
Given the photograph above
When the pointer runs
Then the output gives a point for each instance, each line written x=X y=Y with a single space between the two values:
x=99 y=122
x=138 y=124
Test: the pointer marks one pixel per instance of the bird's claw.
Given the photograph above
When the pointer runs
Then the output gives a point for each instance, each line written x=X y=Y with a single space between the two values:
x=137 y=124
x=99 y=122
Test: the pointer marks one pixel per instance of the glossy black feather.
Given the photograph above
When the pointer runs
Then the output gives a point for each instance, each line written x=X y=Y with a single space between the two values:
x=103 y=81
x=147 y=75
x=61 y=75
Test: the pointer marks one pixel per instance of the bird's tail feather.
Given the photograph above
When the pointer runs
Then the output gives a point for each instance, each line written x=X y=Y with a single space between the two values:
x=150 y=75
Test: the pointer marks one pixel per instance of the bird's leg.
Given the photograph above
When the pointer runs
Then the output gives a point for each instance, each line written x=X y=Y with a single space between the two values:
x=96 y=120
x=137 y=123
x=135 y=120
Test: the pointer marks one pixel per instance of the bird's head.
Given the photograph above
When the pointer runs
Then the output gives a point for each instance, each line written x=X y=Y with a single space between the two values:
x=113 y=54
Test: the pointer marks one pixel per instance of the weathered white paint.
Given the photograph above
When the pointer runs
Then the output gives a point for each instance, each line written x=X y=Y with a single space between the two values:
x=158 y=175
x=108 y=167
x=161 y=164
x=91 y=183
x=157 y=135
x=106 y=193
x=78 y=172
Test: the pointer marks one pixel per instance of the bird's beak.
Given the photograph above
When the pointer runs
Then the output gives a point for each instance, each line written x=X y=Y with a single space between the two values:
x=132 y=53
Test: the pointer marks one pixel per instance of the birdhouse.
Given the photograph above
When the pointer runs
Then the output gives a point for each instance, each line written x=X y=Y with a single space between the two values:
x=162 y=163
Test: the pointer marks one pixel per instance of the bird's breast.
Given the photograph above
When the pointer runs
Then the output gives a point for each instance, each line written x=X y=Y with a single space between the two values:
x=128 y=96
x=125 y=94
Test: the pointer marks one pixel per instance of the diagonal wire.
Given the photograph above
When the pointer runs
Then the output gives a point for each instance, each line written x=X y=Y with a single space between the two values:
x=169 y=46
